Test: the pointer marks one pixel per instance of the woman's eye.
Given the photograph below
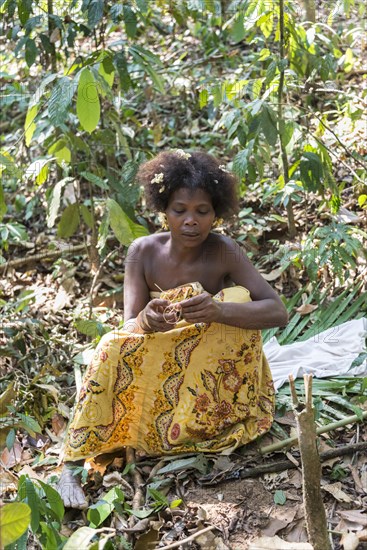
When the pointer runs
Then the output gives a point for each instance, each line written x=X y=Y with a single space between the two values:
x=179 y=211
x=203 y=213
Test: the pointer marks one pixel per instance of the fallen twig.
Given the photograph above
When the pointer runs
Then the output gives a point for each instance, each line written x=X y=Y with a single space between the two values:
x=322 y=429
x=190 y=538
x=138 y=498
x=315 y=515
x=279 y=466
x=42 y=256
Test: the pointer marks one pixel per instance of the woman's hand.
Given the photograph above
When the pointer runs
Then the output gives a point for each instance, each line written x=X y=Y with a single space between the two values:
x=201 y=309
x=156 y=318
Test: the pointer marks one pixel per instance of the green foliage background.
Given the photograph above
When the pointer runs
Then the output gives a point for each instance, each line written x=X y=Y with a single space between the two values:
x=90 y=89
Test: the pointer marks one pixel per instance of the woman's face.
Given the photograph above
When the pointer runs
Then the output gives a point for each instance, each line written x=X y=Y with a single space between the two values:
x=190 y=215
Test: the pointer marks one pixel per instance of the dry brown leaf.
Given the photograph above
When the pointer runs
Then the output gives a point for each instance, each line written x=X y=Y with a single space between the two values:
x=335 y=489
x=349 y=541
x=273 y=275
x=304 y=309
x=8 y=482
x=276 y=543
x=11 y=458
x=355 y=516
x=58 y=423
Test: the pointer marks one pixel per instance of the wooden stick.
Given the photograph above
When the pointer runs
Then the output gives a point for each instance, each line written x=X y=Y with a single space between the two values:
x=315 y=515
x=47 y=255
x=138 y=499
x=281 y=465
x=190 y=538
x=322 y=429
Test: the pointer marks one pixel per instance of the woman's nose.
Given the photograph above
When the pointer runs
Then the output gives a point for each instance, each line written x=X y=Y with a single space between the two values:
x=190 y=220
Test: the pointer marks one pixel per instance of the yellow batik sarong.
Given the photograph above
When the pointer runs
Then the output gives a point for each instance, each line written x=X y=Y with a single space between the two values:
x=196 y=388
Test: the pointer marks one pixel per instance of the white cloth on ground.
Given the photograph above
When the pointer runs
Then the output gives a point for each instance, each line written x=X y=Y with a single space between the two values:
x=328 y=353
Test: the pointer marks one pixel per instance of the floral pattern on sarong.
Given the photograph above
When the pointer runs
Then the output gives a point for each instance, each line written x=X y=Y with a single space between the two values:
x=200 y=387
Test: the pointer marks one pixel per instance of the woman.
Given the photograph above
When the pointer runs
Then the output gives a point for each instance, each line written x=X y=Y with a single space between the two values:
x=187 y=373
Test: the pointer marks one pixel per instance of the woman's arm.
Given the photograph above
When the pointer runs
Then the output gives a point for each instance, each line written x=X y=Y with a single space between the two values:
x=141 y=314
x=266 y=309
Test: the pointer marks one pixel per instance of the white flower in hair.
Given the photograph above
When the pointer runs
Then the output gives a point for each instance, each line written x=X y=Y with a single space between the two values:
x=182 y=154
x=158 y=178
x=162 y=188
x=223 y=168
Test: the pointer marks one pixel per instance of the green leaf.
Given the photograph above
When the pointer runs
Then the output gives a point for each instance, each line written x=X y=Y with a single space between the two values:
x=238 y=32
x=60 y=99
x=54 y=201
x=80 y=538
x=10 y=439
x=31 y=51
x=28 y=423
x=38 y=170
x=240 y=163
x=54 y=500
x=123 y=227
x=29 y=124
x=279 y=497
x=33 y=501
x=61 y=152
x=268 y=125
x=96 y=180
x=130 y=21
x=69 y=221
x=91 y=328
x=97 y=513
x=86 y=215
x=106 y=71
x=14 y=520
x=203 y=98
x=3 y=207
x=95 y=12
x=198 y=462
x=87 y=104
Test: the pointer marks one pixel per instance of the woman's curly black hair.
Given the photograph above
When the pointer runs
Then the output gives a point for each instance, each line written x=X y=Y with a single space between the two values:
x=172 y=170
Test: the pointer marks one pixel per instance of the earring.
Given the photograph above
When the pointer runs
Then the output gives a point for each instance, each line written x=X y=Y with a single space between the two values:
x=217 y=222
x=163 y=220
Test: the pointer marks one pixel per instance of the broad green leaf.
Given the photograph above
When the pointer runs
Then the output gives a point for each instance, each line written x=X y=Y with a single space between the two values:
x=87 y=104
x=123 y=227
x=10 y=439
x=54 y=201
x=54 y=500
x=3 y=207
x=240 y=163
x=91 y=328
x=31 y=51
x=198 y=462
x=38 y=170
x=130 y=21
x=69 y=221
x=96 y=180
x=86 y=215
x=28 y=423
x=95 y=12
x=33 y=501
x=238 y=32
x=106 y=71
x=61 y=96
x=97 y=513
x=51 y=536
x=29 y=125
x=80 y=538
x=61 y=152
x=268 y=125
x=279 y=497
x=14 y=520
x=203 y=98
